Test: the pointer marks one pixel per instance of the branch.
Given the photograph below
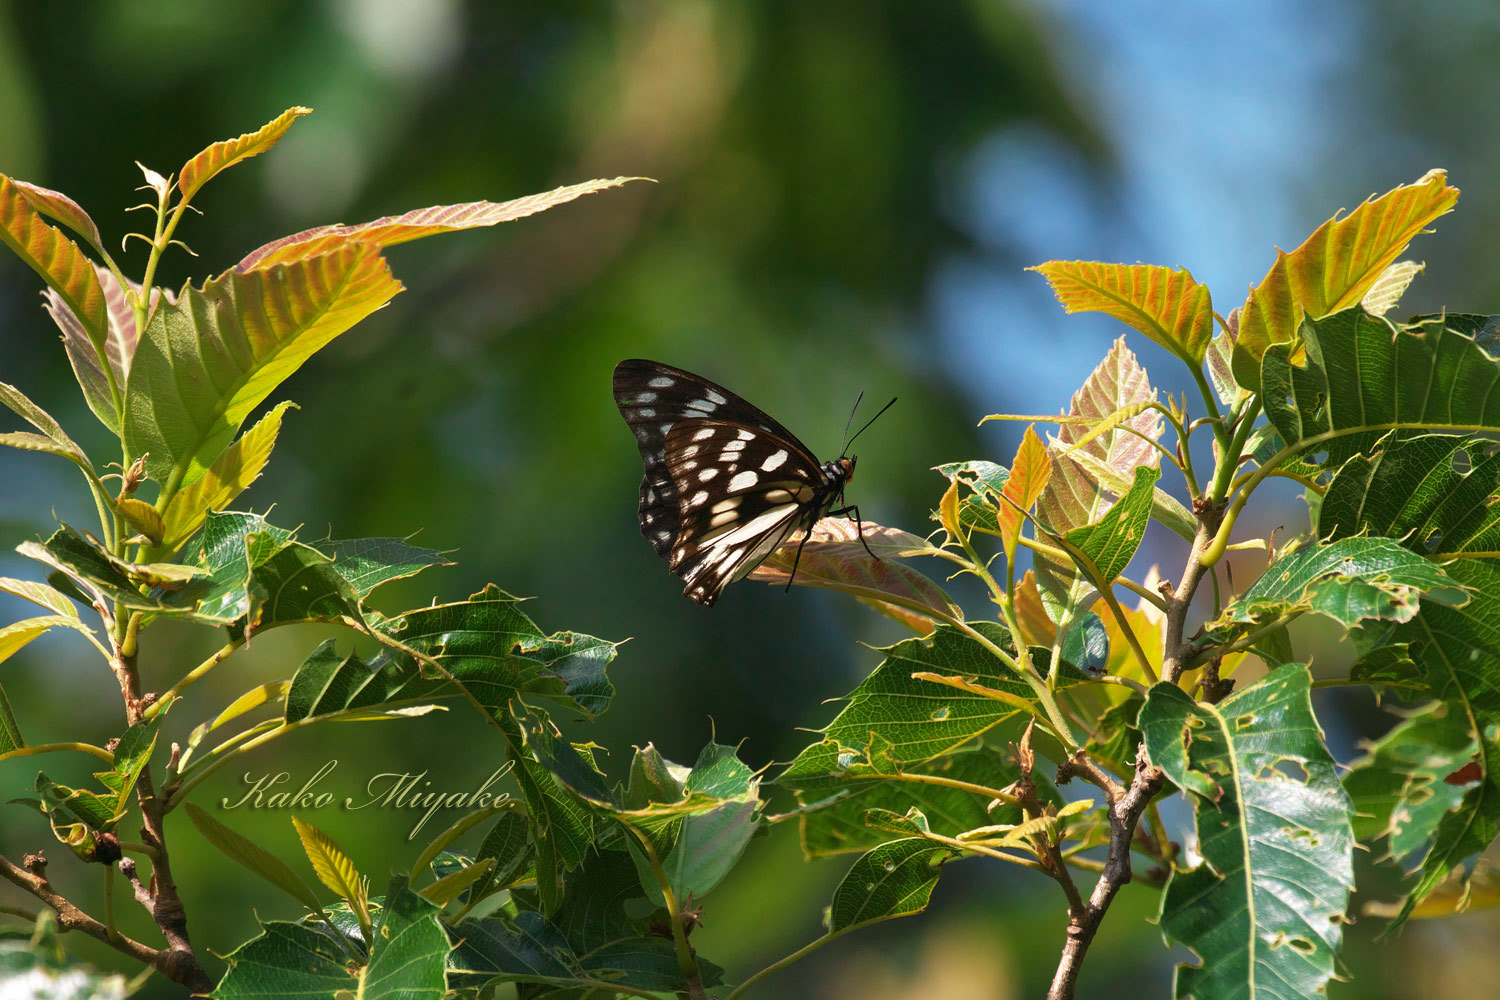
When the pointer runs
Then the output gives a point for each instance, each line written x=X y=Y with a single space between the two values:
x=181 y=969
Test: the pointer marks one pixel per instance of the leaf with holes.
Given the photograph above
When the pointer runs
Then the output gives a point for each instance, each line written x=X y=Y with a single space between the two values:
x=1410 y=779
x=1265 y=908
x=960 y=690
x=1166 y=305
x=207 y=360
x=835 y=558
x=980 y=486
x=1351 y=580
x=1333 y=270
x=394 y=229
x=1361 y=378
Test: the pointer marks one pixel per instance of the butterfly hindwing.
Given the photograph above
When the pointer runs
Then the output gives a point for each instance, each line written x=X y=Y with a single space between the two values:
x=725 y=484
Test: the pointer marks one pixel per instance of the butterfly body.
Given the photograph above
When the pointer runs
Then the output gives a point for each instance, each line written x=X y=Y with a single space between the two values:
x=725 y=483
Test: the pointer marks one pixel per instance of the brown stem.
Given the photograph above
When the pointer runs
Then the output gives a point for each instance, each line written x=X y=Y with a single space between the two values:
x=1127 y=805
x=69 y=917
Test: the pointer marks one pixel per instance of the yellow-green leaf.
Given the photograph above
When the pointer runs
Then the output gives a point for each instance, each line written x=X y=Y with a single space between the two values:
x=448 y=888
x=1334 y=267
x=17 y=635
x=53 y=256
x=333 y=866
x=207 y=360
x=10 y=733
x=143 y=517
x=39 y=593
x=232 y=472
x=254 y=857
x=1166 y=305
x=222 y=155
x=1028 y=476
x=393 y=229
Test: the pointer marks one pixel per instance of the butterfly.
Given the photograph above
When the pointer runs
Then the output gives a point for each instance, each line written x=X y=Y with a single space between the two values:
x=725 y=483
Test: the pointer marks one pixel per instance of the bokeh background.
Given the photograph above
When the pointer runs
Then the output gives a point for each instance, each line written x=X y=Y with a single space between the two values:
x=847 y=196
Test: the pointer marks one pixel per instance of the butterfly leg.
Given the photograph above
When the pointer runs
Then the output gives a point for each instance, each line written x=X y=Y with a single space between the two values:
x=805 y=536
x=859 y=526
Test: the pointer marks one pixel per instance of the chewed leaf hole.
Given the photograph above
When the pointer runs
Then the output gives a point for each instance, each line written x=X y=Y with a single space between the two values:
x=940 y=714
x=1245 y=721
x=1462 y=463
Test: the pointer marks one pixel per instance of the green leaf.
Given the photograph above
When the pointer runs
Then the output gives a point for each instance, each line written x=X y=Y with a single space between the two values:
x=455 y=830
x=328 y=685
x=222 y=155
x=231 y=473
x=1402 y=788
x=394 y=229
x=1362 y=377
x=895 y=879
x=1110 y=543
x=254 y=857
x=1266 y=907
x=53 y=439
x=453 y=885
x=1167 y=305
x=837 y=823
x=410 y=952
x=1332 y=270
x=94 y=569
x=40 y=594
x=1351 y=580
x=983 y=483
x=286 y=960
x=509 y=844
x=909 y=719
x=207 y=360
x=77 y=815
x=10 y=733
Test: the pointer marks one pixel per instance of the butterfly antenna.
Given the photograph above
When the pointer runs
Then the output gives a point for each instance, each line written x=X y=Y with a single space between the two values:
x=866 y=427
x=844 y=445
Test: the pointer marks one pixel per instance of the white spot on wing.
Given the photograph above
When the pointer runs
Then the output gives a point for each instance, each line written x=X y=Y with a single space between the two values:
x=646 y=411
x=743 y=481
x=699 y=499
x=775 y=461
x=704 y=475
x=715 y=396
x=704 y=434
x=746 y=435
x=660 y=382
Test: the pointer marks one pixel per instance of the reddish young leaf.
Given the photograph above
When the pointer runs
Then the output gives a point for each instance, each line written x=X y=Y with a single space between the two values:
x=1028 y=476
x=53 y=256
x=222 y=155
x=416 y=224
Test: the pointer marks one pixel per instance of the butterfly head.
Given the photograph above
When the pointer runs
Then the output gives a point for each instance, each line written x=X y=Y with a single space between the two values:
x=840 y=470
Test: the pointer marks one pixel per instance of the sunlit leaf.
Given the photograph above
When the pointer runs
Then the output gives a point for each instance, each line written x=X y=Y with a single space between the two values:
x=231 y=473
x=207 y=360
x=53 y=256
x=119 y=344
x=18 y=634
x=52 y=439
x=1166 y=305
x=1350 y=580
x=394 y=229
x=450 y=887
x=1390 y=286
x=1028 y=477
x=835 y=558
x=286 y=959
x=10 y=733
x=1074 y=495
x=1361 y=378
x=1220 y=364
x=222 y=155
x=981 y=484
x=1268 y=903
x=333 y=866
x=58 y=206
x=1109 y=544
x=1333 y=269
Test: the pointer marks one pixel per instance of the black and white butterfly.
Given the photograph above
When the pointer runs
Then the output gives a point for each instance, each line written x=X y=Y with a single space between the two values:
x=725 y=483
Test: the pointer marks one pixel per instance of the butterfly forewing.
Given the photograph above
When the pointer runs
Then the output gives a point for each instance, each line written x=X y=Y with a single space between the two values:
x=725 y=483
